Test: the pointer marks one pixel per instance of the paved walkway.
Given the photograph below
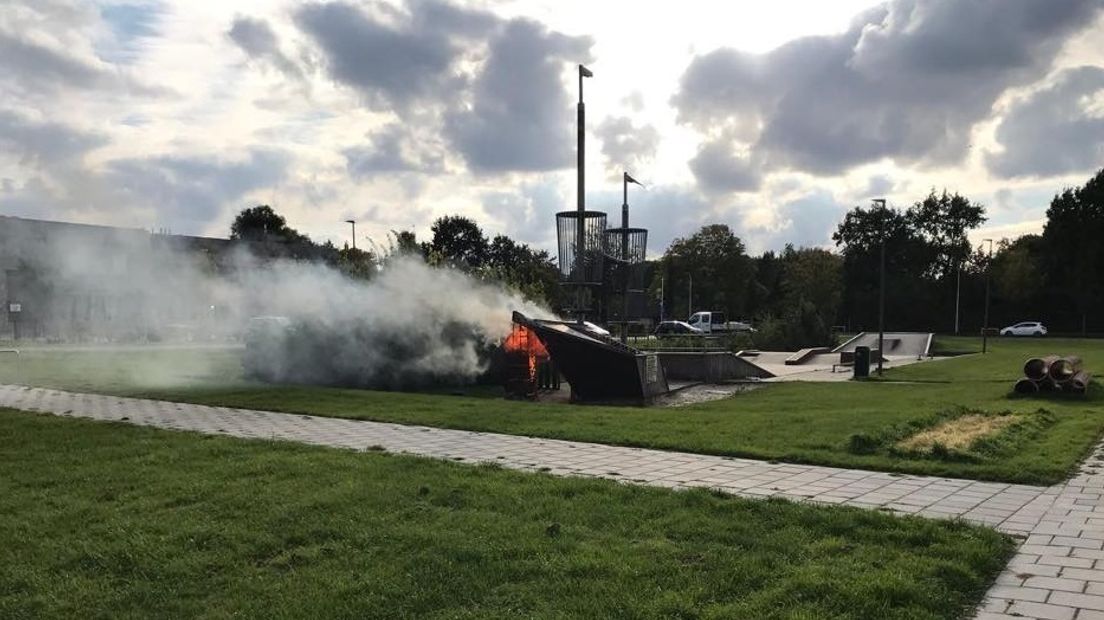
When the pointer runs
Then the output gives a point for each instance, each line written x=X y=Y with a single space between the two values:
x=1058 y=572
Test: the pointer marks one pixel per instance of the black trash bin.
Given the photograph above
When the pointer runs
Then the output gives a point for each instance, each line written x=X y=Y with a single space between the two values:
x=862 y=362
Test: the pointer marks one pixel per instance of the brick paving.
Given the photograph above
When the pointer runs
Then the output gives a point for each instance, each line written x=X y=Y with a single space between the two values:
x=1057 y=573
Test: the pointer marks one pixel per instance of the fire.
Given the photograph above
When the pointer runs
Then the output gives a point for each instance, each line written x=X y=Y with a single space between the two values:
x=523 y=340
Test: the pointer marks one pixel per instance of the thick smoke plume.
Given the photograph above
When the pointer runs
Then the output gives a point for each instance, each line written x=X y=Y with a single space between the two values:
x=408 y=325
x=411 y=325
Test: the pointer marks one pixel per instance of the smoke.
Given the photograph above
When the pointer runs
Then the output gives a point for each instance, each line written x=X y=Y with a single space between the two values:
x=409 y=325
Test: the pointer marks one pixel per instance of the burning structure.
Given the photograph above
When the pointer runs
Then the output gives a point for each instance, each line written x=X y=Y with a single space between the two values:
x=526 y=366
x=597 y=368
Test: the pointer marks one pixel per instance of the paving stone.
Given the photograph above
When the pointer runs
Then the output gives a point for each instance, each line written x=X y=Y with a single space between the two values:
x=1018 y=593
x=1041 y=610
x=1056 y=583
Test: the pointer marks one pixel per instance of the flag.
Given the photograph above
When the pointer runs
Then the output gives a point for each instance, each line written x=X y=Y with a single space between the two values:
x=629 y=179
x=583 y=71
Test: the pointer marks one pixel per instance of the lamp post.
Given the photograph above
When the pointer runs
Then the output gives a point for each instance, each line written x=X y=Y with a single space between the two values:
x=580 y=198
x=353 y=223
x=690 y=298
x=985 y=321
x=881 y=287
x=958 y=294
x=661 y=293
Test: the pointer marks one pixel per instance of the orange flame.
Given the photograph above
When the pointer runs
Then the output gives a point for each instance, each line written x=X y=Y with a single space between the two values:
x=523 y=340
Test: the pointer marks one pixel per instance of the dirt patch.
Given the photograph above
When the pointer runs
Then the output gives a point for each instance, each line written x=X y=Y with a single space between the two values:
x=957 y=434
x=703 y=393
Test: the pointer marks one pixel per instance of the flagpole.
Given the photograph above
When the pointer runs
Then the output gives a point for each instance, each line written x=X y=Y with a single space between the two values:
x=580 y=199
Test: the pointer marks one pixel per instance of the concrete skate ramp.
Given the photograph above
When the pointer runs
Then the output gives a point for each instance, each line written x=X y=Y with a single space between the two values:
x=897 y=344
x=709 y=366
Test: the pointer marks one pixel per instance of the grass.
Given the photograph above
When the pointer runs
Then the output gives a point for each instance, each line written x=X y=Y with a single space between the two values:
x=796 y=422
x=103 y=520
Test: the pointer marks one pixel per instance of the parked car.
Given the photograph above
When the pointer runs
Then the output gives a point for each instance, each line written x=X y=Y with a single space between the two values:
x=711 y=322
x=1025 y=328
x=675 y=328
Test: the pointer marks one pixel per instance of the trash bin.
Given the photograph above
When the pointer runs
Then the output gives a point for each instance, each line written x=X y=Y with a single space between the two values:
x=862 y=362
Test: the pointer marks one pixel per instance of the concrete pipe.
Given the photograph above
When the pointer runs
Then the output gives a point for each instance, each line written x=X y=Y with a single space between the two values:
x=1026 y=386
x=1037 y=368
x=1062 y=370
x=1046 y=384
x=1079 y=383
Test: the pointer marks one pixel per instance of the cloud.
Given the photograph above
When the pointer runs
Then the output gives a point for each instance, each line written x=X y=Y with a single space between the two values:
x=192 y=191
x=625 y=145
x=393 y=59
x=47 y=49
x=491 y=87
x=667 y=211
x=393 y=149
x=519 y=115
x=44 y=143
x=528 y=215
x=130 y=25
x=808 y=221
x=720 y=170
x=1055 y=130
x=257 y=39
x=908 y=81
x=53 y=178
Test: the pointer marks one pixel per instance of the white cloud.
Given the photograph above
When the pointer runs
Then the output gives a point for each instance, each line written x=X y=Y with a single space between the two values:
x=177 y=114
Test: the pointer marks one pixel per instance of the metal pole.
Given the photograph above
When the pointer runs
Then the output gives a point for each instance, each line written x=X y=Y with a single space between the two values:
x=958 y=295
x=662 y=295
x=690 y=301
x=881 y=291
x=353 y=223
x=580 y=199
x=985 y=322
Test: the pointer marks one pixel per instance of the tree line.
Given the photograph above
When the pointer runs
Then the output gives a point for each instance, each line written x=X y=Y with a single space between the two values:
x=936 y=280
x=456 y=242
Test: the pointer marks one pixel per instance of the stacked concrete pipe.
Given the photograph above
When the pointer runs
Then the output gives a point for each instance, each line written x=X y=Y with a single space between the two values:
x=1053 y=373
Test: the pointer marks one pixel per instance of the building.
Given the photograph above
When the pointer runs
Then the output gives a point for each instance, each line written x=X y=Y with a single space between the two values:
x=64 y=282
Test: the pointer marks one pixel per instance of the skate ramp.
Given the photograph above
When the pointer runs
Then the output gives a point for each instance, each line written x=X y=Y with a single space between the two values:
x=897 y=344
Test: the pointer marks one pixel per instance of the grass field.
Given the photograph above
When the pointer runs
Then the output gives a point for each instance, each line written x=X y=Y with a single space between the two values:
x=853 y=424
x=103 y=520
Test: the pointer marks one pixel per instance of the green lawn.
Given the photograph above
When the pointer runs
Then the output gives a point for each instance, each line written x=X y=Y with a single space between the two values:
x=101 y=520
x=853 y=424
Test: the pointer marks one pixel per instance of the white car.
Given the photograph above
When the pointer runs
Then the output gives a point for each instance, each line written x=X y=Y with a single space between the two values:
x=1025 y=328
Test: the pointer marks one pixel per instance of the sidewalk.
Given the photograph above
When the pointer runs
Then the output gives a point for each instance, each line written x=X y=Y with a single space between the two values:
x=1058 y=572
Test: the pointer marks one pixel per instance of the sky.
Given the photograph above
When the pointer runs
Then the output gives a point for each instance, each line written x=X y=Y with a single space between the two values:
x=774 y=118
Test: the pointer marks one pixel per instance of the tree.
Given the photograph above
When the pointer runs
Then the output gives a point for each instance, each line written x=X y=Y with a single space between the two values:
x=813 y=276
x=1074 y=261
x=1017 y=272
x=532 y=272
x=943 y=222
x=269 y=234
x=715 y=259
x=458 y=241
x=860 y=238
x=260 y=223
x=924 y=248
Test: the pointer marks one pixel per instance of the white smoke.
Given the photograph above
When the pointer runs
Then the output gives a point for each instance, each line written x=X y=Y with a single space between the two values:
x=410 y=323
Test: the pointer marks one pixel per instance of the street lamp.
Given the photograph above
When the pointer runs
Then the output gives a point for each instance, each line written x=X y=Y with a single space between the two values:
x=580 y=200
x=958 y=294
x=985 y=322
x=353 y=222
x=881 y=287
